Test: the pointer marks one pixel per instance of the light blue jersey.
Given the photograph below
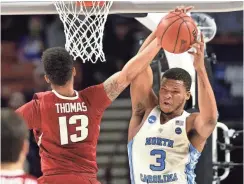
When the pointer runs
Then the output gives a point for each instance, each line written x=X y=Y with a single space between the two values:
x=162 y=153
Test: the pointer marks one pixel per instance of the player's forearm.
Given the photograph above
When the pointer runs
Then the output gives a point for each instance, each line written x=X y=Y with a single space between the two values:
x=206 y=99
x=141 y=61
x=148 y=40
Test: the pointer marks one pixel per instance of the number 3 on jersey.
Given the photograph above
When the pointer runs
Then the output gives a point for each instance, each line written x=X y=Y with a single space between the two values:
x=64 y=136
x=160 y=160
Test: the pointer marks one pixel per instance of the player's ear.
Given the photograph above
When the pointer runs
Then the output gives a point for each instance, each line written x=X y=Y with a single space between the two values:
x=74 y=71
x=188 y=95
x=26 y=147
x=25 y=150
x=47 y=79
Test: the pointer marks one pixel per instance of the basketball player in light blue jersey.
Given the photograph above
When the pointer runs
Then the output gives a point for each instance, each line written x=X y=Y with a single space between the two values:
x=165 y=142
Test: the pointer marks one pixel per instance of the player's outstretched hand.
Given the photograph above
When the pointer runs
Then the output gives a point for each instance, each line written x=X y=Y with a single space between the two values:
x=198 y=54
x=182 y=9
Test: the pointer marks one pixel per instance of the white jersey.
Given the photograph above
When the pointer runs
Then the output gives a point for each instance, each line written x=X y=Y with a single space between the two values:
x=162 y=153
x=16 y=177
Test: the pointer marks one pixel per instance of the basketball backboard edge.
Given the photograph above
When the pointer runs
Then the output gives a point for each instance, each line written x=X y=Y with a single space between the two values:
x=46 y=7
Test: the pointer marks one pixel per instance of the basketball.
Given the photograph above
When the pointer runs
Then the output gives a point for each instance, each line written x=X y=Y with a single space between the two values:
x=177 y=32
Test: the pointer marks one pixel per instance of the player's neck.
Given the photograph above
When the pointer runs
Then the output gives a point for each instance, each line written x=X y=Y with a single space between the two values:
x=12 y=166
x=168 y=116
x=66 y=90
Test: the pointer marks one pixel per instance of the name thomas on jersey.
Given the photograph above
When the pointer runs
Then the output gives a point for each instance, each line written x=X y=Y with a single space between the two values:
x=71 y=107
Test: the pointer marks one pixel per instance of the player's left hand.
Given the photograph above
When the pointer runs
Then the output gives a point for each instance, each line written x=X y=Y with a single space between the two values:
x=198 y=54
x=182 y=9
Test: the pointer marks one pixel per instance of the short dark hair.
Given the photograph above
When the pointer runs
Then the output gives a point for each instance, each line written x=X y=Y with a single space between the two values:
x=179 y=74
x=58 y=65
x=13 y=134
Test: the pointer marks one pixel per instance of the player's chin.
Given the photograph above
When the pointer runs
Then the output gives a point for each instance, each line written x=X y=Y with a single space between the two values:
x=166 y=109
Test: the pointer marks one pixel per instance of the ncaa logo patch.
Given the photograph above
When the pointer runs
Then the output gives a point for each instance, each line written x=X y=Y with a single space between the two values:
x=152 y=119
x=178 y=130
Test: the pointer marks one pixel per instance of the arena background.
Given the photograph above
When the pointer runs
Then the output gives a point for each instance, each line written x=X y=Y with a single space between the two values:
x=23 y=38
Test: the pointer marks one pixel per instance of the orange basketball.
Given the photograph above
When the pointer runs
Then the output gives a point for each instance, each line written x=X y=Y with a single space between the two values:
x=176 y=32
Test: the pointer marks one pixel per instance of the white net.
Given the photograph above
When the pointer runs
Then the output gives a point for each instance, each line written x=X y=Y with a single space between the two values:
x=83 y=27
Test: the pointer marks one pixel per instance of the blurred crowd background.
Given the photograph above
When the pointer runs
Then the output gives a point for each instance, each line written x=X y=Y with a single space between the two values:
x=25 y=37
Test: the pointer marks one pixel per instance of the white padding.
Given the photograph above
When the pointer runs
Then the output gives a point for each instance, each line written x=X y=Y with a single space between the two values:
x=23 y=7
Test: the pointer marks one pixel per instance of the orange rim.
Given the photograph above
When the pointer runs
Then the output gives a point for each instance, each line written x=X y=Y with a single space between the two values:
x=90 y=3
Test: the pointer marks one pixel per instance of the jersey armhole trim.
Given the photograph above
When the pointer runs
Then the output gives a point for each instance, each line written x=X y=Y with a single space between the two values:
x=143 y=123
x=186 y=134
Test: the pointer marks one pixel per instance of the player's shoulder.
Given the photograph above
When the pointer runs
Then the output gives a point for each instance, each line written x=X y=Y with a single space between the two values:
x=92 y=88
x=41 y=95
x=91 y=91
x=191 y=116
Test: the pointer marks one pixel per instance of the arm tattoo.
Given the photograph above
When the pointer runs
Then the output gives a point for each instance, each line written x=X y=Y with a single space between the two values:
x=113 y=88
x=139 y=106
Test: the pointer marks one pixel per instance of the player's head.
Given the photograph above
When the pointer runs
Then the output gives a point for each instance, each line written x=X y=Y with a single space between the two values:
x=14 y=139
x=58 y=66
x=174 y=90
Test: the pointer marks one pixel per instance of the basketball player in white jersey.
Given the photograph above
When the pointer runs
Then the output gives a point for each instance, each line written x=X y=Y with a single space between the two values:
x=165 y=142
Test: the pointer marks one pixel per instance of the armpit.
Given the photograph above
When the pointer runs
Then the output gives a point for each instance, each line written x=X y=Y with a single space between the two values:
x=192 y=133
x=139 y=109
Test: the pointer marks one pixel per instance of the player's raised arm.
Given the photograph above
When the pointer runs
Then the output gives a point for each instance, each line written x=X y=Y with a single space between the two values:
x=115 y=84
x=205 y=121
x=142 y=95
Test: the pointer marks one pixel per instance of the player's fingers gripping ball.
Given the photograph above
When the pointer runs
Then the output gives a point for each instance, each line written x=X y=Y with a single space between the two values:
x=177 y=32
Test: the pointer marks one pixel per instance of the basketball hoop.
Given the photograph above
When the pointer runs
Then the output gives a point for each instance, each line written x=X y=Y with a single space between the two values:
x=84 y=23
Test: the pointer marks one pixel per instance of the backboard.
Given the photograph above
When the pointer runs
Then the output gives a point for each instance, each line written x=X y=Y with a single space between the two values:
x=9 y=7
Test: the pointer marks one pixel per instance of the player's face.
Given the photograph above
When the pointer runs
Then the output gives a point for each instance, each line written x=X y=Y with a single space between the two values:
x=172 y=95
